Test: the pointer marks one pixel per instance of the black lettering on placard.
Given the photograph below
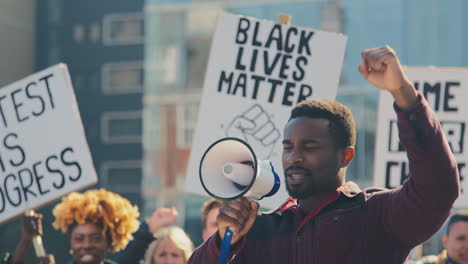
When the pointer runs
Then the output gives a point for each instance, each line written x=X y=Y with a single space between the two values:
x=46 y=81
x=253 y=61
x=275 y=36
x=461 y=166
x=223 y=79
x=265 y=66
x=17 y=105
x=14 y=146
x=397 y=170
x=257 y=80
x=432 y=91
x=284 y=66
x=448 y=96
x=33 y=97
x=26 y=102
x=2 y=114
x=239 y=65
x=274 y=84
x=26 y=183
x=455 y=134
x=3 y=202
x=241 y=83
x=288 y=93
x=255 y=41
x=269 y=67
x=39 y=176
x=299 y=76
x=288 y=47
x=54 y=171
x=304 y=42
x=15 y=188
x=242 y=27
x=304 y=93
x=72 y=163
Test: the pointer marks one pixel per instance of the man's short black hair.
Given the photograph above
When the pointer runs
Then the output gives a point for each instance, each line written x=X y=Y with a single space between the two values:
x=459 y=216
x=342 y=127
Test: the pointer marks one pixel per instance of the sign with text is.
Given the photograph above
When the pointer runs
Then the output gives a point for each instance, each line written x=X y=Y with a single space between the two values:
x=258 y=70
x=446 y=91
x=43 y=150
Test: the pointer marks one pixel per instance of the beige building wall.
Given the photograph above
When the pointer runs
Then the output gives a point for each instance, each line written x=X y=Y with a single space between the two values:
x=17 y=39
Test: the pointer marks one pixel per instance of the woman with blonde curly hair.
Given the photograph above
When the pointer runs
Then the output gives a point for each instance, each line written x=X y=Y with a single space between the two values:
x=172 y=246
x=97 y=221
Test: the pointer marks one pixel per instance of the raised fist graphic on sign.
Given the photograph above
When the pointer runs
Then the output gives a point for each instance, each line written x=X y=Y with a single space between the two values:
x=256 y=128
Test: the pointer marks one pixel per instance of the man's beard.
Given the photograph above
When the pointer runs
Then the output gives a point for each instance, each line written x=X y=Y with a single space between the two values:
x=296 y=193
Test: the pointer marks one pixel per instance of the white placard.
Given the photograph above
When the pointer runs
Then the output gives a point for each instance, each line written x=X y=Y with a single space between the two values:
x=446 y=90
x=256 y=72
x=43 y=150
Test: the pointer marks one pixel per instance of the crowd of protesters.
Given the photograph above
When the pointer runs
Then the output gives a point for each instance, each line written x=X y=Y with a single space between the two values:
x=325 y=219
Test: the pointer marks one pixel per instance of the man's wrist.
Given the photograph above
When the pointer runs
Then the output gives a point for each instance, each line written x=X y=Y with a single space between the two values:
x=406 y=97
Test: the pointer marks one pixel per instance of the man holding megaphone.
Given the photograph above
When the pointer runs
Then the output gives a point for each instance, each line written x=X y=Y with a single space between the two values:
x=327 y=220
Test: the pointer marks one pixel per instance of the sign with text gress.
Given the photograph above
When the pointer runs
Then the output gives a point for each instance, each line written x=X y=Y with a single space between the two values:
x=446 y=90
x=257 y=71
x=43 y=150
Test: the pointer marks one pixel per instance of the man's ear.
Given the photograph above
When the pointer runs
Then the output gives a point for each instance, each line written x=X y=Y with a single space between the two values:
x=347 y=155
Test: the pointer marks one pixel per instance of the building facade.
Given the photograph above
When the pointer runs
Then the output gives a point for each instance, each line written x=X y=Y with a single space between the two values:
x=102 y=42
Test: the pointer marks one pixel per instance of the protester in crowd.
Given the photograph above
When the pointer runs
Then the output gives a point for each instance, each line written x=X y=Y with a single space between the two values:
x=171 y=246
x=164 y=217
x=31 y=227
x=135 y=251
x=97 y=222
x=327 y=220
x=455 y=242
x=209 y=212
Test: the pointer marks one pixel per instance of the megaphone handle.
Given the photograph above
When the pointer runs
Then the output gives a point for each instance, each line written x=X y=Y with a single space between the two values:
x=225 y=246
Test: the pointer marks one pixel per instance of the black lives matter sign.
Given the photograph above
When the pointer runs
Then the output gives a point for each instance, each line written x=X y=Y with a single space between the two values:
x=43 y=151
x=446 y=91
x=257 y=70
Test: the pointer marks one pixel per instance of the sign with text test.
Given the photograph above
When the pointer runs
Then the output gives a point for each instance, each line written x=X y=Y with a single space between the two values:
x=258 y=70
x=446 y=91
x=43 y=150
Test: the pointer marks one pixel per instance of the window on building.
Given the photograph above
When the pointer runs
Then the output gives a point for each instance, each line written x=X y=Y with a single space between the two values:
x=94 y=32
x=123 y=29
x=55 y=11
x=79 y=82
x=186 y=123
x=123 y=177
x=122 y=77
x=121 y=127
x=78 y=32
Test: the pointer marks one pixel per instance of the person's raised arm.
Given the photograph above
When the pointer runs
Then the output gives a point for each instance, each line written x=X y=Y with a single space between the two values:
x=135 y=250
x=411 y=213
x=31 y=227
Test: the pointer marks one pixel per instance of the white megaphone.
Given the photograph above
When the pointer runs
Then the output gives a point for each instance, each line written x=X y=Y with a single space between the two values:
x=229 y=169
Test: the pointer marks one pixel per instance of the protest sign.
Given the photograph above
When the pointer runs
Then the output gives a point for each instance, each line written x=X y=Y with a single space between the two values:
x=258 y=70
x=446 y=90
x=43 y=150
